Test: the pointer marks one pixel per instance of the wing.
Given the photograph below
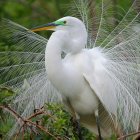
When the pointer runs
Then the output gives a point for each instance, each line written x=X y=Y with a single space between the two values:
x=100 y=80
x=115 y=80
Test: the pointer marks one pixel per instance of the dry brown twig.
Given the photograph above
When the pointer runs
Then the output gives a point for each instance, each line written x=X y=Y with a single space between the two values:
x=27 y=121
x=128 y=135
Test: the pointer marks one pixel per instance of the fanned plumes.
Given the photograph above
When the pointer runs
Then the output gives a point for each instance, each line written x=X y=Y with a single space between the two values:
x=98 y=18
x=124 y=69
x=33 y=95
x=24 y=69
x=120 y=46
x=29 y=54
x=118 y=42
x=28 y=62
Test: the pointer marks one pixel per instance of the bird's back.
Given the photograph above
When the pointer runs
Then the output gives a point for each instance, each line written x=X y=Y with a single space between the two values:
x=90 y=64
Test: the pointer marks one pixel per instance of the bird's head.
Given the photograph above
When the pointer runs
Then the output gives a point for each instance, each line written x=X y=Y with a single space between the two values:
x=74 y=29
x=66 y=24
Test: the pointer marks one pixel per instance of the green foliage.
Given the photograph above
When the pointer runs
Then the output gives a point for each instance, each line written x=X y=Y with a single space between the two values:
x=56 y=120
x=60 y=124
x=5 y=95
x=30 y=13
x=6 y=121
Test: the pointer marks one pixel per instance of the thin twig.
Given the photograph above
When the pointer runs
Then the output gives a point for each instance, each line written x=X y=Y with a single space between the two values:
x=26 y=121
x=128 y=135
x=14 y=113
x=35 y=114
x=41 y=128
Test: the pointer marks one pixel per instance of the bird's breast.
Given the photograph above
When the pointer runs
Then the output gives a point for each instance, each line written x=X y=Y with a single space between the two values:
x=71 y=84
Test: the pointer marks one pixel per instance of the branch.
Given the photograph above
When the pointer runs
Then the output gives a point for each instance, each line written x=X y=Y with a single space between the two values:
x=128 y=135
x=36 y=114
x=10 y=110
x=41 y=128
x=27 y=121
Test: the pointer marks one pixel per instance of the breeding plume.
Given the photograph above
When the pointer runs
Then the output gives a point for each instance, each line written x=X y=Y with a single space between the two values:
x=98 y=77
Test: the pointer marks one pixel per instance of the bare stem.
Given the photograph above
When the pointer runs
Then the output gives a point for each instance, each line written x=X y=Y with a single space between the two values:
x=35 y=114
x=41 y=128
x=27 y=121
x=10 y=110
x=128 y=135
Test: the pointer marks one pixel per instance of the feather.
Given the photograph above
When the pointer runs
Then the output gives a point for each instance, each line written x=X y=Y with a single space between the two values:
x=115 y=47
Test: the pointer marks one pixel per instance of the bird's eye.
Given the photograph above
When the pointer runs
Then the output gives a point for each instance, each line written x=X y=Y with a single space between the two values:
x=65 y=22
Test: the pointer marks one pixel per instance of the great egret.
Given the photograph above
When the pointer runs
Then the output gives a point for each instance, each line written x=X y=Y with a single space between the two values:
x=100 y=82
x=77 y=75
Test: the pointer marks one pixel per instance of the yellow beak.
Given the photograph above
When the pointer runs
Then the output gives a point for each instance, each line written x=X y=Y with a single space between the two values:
x=49 y=26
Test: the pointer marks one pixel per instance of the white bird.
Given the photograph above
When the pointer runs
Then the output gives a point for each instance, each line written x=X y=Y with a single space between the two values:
x=80 y=75
x=98 y=82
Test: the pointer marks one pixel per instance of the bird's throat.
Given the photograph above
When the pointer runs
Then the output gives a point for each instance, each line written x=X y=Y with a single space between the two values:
x=53 y=60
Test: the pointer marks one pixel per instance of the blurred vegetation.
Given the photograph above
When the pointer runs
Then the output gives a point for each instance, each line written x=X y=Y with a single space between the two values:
x=31 y=13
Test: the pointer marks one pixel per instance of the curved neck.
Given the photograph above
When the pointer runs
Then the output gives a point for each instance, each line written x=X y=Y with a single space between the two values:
x=58 y=42
x=53 y=51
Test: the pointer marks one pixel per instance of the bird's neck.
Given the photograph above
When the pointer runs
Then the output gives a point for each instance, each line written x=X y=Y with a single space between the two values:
x=53 y=59
x=58 y=41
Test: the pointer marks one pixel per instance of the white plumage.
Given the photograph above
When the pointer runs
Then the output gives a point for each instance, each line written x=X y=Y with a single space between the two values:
x=105 y=77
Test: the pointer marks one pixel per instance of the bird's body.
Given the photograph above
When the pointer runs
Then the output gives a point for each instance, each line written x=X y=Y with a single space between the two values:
x=98 y=76
x=70 y=72
x=69 y=75
x=77 y=94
